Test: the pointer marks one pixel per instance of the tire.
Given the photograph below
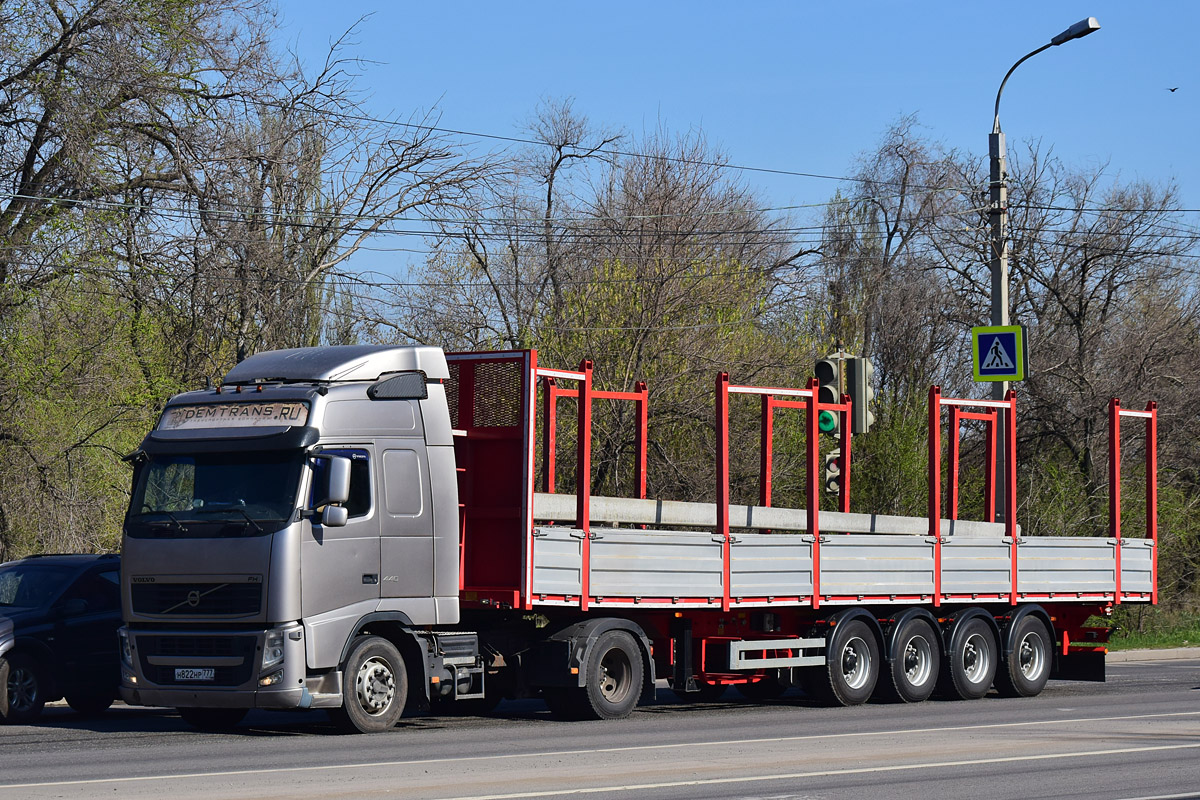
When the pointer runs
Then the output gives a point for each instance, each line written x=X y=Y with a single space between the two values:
x=613 y=682
x=27 y=689
x=971 y=663
x=213 y=719
x=374 y=687
x=851 y=666
x=768 y=687
x=89 y=704
x=914 y=666
x=1025 y=672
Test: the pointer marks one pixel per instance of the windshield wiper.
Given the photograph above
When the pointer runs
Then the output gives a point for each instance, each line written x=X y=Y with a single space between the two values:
x=174 y=519
x=238 y=507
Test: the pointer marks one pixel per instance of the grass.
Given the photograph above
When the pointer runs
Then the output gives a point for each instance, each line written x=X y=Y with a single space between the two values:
x=1153 y=628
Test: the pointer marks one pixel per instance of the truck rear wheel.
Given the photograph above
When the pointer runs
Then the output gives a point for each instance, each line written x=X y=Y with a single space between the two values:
x=1025 y=672
x=374 y=687
x=851 y=666
x=913 y=671
x=972 y=661
x=613 y=684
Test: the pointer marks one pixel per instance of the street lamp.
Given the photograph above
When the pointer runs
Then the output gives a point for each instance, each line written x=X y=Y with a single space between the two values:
x=998 y=213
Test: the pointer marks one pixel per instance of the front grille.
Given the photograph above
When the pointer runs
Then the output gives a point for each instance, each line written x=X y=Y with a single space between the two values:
x=180 y=648
x=197 y=599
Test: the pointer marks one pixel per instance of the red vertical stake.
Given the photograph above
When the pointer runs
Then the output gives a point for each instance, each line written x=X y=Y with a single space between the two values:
x=1152 y=495
x=583 y=481
x=955 y=425
x=549 y=432
x=722 y=426
x=935 y=487
x=529 y=409
x=1010 y=495
x=643 y=436
x=991 y=432
x=813 y=501
x=765 y=451
x=1114 y=488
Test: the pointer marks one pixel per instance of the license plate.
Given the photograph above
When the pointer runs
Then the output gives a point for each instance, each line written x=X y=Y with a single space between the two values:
x=195 y=674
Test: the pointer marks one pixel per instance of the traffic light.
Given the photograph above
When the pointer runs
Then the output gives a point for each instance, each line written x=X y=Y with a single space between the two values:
x=833 y=471
x=859 y=373
x=828 y=372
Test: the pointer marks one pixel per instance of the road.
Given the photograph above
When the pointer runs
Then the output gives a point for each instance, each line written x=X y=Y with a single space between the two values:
x=1137 y=736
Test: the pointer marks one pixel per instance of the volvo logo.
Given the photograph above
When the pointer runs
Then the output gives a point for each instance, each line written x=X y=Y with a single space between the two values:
x=193 y=598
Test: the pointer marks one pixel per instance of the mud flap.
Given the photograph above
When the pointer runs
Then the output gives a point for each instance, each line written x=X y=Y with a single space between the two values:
x=1079 y=667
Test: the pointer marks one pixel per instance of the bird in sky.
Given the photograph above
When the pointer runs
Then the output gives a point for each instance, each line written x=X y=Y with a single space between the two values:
x=1175 y=89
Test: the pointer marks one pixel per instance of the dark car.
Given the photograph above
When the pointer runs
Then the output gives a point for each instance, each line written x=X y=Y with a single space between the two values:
x=59 y=617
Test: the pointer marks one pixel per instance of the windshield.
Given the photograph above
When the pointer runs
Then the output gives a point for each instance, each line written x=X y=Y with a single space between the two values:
x=31 y=585
x=214 y=494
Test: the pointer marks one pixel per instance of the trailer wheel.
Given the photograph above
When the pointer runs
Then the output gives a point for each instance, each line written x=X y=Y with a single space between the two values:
x=375 y=687
x=913 y=671
x=26 y=686
x=972 y=661
x=1025 y=672
x=851 y=666
x=213 y=719
x=89 y=704
x=613 y=683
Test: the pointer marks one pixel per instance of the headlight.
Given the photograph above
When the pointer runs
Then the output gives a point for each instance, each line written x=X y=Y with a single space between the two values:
x=272 y=649
x=126 y=648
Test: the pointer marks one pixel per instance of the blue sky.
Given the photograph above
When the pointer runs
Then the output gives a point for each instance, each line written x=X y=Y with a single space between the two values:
x=801 y=86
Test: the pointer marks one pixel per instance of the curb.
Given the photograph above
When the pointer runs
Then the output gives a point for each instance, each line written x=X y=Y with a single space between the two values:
x=1171 y=654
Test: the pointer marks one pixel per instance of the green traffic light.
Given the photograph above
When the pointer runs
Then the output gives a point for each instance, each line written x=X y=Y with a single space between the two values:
x=827 y=422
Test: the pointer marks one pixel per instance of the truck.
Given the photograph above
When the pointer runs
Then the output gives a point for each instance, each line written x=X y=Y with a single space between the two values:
x=365 y=529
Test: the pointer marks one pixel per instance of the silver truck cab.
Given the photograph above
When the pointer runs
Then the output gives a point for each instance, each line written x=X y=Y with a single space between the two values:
x=272 y=517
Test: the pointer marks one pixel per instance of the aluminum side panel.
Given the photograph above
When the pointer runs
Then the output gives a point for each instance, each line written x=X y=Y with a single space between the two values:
x=1066 y=564
x=873 y=565
x=1137 y=566
x=636 y=563
x=771 y=565
x=976 y=565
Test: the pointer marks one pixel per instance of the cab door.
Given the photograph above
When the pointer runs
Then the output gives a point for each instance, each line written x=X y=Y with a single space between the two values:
x=341 y=564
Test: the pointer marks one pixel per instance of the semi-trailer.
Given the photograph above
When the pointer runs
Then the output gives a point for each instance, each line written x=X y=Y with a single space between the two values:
x=369 y=528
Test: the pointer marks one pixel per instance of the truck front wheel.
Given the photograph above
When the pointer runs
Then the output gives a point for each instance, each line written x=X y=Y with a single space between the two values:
x=374 y=687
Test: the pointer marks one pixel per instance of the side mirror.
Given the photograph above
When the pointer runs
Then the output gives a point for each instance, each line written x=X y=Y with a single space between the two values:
x=335 y=486
x=334 y=516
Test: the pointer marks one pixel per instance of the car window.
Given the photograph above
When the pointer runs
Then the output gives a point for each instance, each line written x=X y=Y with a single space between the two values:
x=359 y=503
x=31 y=585
x=100 y=590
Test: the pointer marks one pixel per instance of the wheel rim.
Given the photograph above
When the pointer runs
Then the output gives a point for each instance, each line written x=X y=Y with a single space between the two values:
x=918 y=661
x=615 y=671
x=375 y=685
x=976 y=658
x=22 y=689
x=1031 y=655
x=856 y=663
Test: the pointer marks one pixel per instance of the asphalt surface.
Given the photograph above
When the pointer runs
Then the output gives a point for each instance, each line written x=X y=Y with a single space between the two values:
x=1136 y=736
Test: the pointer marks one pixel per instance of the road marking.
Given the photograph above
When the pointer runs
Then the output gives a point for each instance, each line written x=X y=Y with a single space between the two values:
x=594 y=750
x=830 y=773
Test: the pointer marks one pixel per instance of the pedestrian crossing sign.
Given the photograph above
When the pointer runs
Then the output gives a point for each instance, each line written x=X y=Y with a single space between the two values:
x=998 y=353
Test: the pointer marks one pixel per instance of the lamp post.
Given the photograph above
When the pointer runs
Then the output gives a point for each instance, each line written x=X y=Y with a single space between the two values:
x=998 y=213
